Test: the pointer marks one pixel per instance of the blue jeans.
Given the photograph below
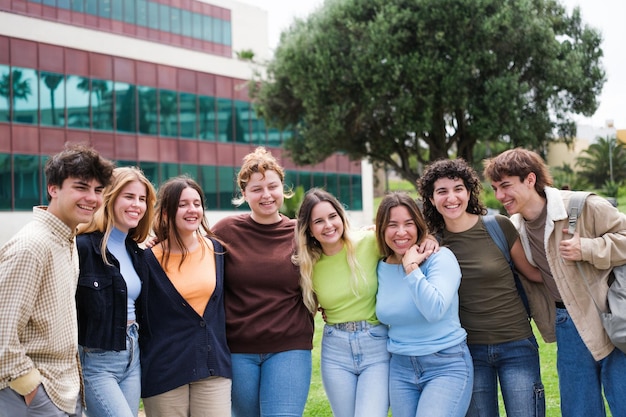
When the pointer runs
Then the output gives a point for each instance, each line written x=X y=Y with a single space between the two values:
x=12 y=404
x=355 y=371
x=112 y=379
x=439 y=384
x=516 y=365
x=270 y=384
x=582 y=378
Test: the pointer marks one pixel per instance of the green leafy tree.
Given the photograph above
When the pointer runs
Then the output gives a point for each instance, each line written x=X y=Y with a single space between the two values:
x=14 y=87
x=603 y=160
x=390 y=80
x=565 y=177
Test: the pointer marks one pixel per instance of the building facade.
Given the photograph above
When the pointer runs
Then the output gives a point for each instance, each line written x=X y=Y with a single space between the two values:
x=150 y=83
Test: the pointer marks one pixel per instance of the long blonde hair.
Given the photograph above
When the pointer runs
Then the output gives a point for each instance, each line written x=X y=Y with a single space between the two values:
x=309 y=249
x=103 y=220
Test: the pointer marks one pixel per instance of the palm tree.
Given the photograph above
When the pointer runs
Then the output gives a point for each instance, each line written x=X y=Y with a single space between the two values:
x=52 y=82
x=13 y=87
x=601 y=160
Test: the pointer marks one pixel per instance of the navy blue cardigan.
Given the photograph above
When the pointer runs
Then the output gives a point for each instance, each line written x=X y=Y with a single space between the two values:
x=177 y=346
x=101 y=295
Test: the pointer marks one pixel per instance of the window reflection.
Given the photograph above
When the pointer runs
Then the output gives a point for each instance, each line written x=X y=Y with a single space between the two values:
x=208 y=182
x=101 y=100
x=126 y=107
x=168 y=170
x=5 y=90
x=5 y=182
x=23 y=84
x=240 y=122
x=226 y=184
x=26 y=180
x=225 y=119
x=168 y=112
x=188 y=115
x=147 y=110
x=206 y=115
x=52 y=98
x=77 y=98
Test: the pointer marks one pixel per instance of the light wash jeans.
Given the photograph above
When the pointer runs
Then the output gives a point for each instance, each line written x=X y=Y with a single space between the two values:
x=516 y=365
x=112 y=379
x=355 y=371
x=439 y=384
x=582 y=378
x=12 y=405
x=270 y=384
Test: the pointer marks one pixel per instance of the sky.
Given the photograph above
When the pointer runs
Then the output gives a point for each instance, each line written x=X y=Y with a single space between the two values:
x=606 y=15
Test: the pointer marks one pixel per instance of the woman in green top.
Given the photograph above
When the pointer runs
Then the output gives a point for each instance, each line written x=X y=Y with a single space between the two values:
x=338 y=274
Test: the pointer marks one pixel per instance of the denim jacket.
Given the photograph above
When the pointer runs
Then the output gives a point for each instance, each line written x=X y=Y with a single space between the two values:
x=101 y=296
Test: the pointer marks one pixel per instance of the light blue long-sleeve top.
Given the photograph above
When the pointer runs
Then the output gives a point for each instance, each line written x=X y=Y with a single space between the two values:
x=421 y=308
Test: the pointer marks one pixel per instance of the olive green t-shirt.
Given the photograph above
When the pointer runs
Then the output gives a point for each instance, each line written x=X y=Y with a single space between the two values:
x=491 y=310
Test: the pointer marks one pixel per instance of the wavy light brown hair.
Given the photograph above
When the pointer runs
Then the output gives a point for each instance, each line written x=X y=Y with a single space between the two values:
x=519 y=162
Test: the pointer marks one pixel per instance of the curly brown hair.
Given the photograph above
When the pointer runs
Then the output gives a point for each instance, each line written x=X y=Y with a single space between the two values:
x=452 y=169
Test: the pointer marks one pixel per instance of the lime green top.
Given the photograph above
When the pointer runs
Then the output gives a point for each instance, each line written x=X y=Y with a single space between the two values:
x=332 y=279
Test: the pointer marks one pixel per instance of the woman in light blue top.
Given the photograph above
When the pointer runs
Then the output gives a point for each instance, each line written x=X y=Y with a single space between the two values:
x=431 y=369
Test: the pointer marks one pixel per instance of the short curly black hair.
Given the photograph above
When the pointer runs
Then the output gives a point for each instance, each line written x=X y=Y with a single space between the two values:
x=453 y=169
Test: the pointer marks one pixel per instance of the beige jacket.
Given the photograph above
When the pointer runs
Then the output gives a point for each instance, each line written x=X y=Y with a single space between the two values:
x=602 y=230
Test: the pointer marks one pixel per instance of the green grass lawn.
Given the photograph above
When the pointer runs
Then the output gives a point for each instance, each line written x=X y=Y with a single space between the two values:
x=317 y=403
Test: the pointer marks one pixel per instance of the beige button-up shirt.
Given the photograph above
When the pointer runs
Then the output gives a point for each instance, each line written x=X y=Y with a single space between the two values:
x=38 y=327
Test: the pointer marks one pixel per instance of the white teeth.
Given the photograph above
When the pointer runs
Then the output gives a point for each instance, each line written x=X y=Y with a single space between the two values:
x=453 y=207
x=85 y=207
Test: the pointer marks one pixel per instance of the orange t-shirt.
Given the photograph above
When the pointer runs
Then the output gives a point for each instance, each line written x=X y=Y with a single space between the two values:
x=195 y=279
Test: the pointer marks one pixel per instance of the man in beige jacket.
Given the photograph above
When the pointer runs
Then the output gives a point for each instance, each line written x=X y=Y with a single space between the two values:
x=587 y=362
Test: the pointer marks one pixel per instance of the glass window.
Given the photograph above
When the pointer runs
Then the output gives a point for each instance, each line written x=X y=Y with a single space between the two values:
x=274 y=137
x=207 y=28
x=168 y=170
x=153 y=15
x=344 y=188
x=304 y=179
x=102 y=104
x=197 y=26
x=357 y=192
x=168 y=111
x=208 y=182
x=123 y=163
x=186 y=22
x=225 y=119
x=27 y=183
x=148 y=116
x=332 y=186
x=91 y=7
x=52 y=98
x=206 y=115
x=217 y=30
x=164 y=12
x=259 y=136
x=227 y=187
x=142 y=13
x=175 y=26
x=51 y=3
x=129 y=11
x=77 y=97
x=151 y=171
x=125 y=107
x=117 y=10
x=241 y=122
x=78 y=5
x=319 y=180
x=63 y=4
x=226 y=33
x=190 y=170
x=5 y=84
x=291 y=179
x=104 y=8
x=24 y=85
x=188 y=115
x=6 y=197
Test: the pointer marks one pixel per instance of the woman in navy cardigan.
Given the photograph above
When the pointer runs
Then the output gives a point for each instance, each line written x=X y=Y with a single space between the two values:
x=185 y=361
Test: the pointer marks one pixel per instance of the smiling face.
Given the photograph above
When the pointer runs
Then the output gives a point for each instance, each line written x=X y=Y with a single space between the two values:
x=190 y=211
x=130 y=206
x=515 y=194
x=401 y=231
x=327 y=227
x=450 y=198
x=265 y=195
x=75 y=201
